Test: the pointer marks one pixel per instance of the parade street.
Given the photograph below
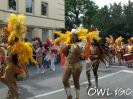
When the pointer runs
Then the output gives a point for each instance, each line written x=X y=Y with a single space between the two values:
x=66 y=49
x=115 y=80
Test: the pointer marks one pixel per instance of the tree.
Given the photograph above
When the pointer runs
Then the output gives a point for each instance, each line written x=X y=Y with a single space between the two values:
x=117 y=20
x=91 y=11
x=128 y=13
x=102 y=20
x=77 y=10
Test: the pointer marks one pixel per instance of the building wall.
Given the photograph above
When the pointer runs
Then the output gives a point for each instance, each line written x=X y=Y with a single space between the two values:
x=54 y=19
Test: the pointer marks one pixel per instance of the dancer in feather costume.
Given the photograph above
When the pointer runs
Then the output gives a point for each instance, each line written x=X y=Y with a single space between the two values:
x=18 y=52
x=73 y=53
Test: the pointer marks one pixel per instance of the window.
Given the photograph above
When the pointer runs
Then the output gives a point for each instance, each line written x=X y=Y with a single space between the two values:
x=12 y=5
x=29 y=6
x=44 y=33
x=29 y=33
x=44 y=8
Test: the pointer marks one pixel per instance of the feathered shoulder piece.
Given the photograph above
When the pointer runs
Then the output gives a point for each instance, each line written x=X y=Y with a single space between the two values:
x=16 y=27
x=82 y=34
x=63 y=37
x=23 y=50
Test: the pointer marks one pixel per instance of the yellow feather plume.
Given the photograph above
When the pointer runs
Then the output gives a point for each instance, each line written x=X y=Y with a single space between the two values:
x=107 y=39
x=119 y=39
x=82 y=34
x=16 y=26
x=23 y=51
x=12 y=18
x=21 y=18
x=94 y=35
x=29 y=48
x=11 y=37
x=62 y=37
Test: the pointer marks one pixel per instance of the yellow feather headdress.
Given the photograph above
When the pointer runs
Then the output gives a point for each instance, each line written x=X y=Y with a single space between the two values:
x=94 y=35
x=17 y=27
x=62 y=37
x=109 y=39
x=81 y=33
x=119 y=39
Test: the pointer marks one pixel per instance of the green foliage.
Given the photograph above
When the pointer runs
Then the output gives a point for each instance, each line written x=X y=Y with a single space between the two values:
x=79 y=11
x=116 y=19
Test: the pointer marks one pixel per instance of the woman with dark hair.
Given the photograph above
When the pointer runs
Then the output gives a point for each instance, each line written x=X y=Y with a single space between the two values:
x=98 y=54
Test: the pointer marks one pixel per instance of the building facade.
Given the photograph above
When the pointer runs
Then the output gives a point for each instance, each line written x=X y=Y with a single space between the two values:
x=43 y=17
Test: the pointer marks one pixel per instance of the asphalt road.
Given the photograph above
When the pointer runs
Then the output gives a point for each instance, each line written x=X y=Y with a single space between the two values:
x=116 y=82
